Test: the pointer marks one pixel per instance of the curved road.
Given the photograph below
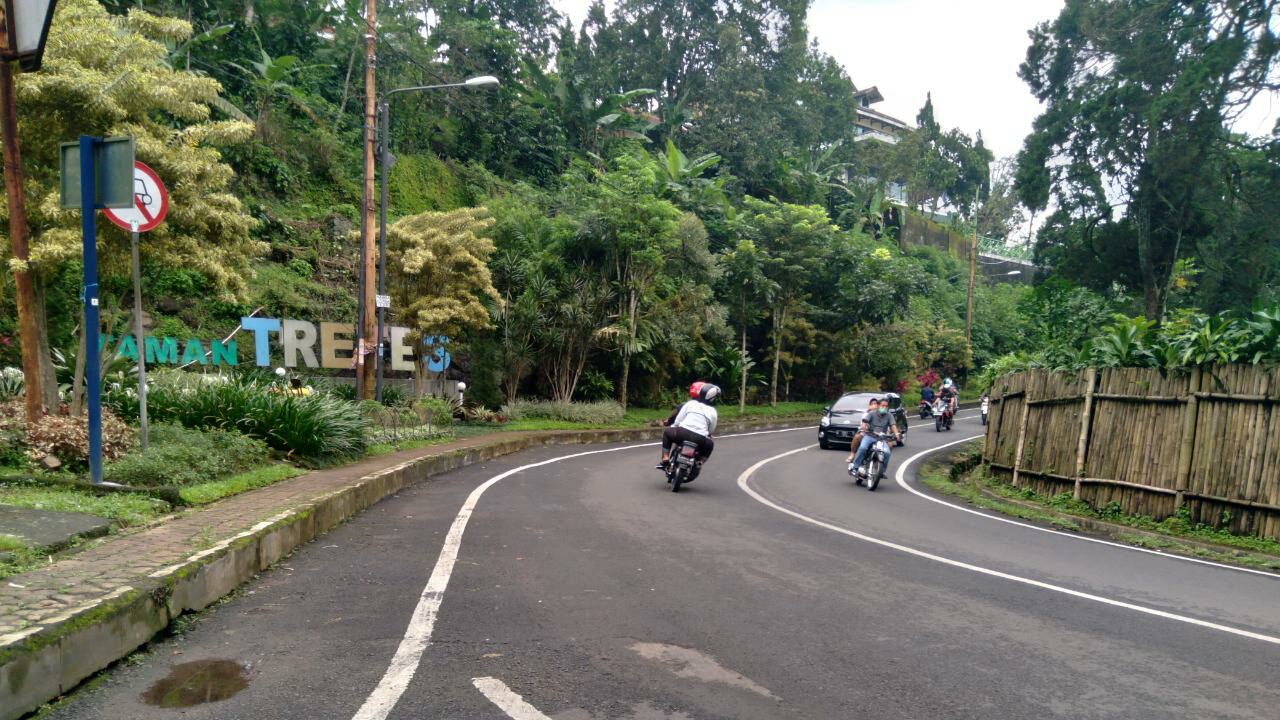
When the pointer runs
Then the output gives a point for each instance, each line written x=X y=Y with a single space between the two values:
x=580 y=589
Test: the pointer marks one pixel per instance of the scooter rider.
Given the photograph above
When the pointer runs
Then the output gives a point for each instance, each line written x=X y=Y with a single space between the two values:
x=694 y=422
x=878 y=423
x=950 y=394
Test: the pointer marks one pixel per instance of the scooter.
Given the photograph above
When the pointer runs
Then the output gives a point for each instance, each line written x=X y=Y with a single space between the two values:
x=926 y=410
x=872 y=467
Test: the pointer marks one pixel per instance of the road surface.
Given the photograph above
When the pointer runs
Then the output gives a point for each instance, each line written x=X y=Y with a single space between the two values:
x=581 y=589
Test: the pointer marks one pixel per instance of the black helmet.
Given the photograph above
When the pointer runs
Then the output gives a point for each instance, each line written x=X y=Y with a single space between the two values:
x=709 y=393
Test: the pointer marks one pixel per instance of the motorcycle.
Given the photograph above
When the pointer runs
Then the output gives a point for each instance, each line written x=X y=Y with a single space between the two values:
x=986 y=405
x=942 y=415
x=872 y=464
x=683 y=466
x=926 y=410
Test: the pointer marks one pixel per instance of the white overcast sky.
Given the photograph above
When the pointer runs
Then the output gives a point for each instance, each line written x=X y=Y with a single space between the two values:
x=966 y=52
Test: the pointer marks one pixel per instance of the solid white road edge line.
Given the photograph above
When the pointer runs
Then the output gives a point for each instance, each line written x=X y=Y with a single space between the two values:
x=746 y=475
x=900 y=476
x=506 y=699
x=418 y=635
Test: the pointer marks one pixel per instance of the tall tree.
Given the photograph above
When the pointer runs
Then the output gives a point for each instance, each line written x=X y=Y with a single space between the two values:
x=1137 y=94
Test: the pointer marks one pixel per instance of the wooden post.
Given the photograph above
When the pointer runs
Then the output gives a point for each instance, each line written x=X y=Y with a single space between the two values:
x=368 y=263
x=24 y=289
x=1022 y=437
x=1186 y=452
x=1086 y=422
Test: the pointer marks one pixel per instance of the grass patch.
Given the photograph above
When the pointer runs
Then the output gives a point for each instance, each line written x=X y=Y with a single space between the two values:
x=1058 y=510
x=125 y=509
x=387 y=448
x=12 y=543
x=642 y=417
x=205 y=493
x=935 y=476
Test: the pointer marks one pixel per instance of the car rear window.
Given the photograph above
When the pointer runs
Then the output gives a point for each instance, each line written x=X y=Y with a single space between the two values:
x=851 y=403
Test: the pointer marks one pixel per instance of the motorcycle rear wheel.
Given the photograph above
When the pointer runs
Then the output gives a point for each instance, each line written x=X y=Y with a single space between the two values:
x=873 y=475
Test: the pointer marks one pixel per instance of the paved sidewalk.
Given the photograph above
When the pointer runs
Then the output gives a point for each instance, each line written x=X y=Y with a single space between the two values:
x=39 y=596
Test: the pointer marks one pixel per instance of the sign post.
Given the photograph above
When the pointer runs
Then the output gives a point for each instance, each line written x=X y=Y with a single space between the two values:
x=150 y=205
x=104 y=181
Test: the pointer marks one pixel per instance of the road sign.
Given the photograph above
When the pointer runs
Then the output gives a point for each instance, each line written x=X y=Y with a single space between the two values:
x=384 y=301
x=112 y=169
x=150 y=202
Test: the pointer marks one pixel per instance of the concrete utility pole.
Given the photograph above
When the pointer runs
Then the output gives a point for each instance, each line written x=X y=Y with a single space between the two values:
x=18 y=236
x=367 y=334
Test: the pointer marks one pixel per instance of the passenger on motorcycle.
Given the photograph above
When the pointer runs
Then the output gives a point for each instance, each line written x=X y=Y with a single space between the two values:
x=926 y=394
x=694 y=422
x=877 y=422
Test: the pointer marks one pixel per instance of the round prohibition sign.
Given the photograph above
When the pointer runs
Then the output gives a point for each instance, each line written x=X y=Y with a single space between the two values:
x=150 y=202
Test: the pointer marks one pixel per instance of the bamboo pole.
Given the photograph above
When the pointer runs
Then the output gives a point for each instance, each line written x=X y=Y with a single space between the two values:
x=1086 y=421
x=1186 y=452
x=1022 y=438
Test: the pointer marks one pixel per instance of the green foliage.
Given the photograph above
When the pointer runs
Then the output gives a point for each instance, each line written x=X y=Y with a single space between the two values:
x=178 y=456
x=207 y=492
x=313 y=428
x=423 y=183
x=592 y=413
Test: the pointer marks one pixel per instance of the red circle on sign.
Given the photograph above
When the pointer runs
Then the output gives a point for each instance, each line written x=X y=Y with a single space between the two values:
x=147 y=214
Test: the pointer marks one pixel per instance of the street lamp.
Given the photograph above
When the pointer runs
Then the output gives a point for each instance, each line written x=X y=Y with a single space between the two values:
x=26 y=27
x=384 y=161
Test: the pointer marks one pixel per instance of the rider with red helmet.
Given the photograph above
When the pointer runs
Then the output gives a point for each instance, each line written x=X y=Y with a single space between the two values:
x=694 y=421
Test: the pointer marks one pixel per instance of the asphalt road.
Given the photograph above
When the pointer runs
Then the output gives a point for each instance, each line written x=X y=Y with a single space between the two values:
x=582 y=590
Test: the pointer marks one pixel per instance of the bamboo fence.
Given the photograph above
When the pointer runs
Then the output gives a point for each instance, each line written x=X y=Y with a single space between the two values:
x=1204 y=439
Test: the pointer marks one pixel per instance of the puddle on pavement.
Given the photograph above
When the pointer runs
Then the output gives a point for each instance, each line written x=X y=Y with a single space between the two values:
x=196 y=683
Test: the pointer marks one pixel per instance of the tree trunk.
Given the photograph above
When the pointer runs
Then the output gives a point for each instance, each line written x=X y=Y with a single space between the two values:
x=77 y=381
x=632 y=322
x=779 y=319
x=742 y=394
x=1146 y=263
x=626 y=375
x=48 y=375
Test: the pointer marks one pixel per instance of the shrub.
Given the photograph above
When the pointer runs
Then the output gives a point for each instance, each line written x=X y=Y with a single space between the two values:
x=312 y=427
x=433 y=410
x=593 y=413
x=180 y=456
x=11 y=383
x=60 y=435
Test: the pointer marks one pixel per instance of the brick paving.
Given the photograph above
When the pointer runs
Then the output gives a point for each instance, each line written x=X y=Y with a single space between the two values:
x=42 y=596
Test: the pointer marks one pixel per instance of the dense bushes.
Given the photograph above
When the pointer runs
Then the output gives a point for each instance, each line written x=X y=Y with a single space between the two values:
x=312 y=427
x=179 y=456
x=595 y=413
x=59 y=435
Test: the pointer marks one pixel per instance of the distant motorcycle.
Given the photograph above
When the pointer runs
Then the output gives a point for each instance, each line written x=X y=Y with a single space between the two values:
x=986 y=405
x=942 y=415
x=926 y=410
x=684 y=465
x=872 y=464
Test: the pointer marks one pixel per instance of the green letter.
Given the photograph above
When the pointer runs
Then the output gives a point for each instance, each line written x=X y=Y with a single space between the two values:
x=194 y=353
x=128 y=348
x=158 y=352
x=223 y=352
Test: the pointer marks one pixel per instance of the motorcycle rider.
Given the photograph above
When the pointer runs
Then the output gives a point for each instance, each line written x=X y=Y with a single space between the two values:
x=694 y=422
x=880 y=422
x=950 y=394
x=872 y=405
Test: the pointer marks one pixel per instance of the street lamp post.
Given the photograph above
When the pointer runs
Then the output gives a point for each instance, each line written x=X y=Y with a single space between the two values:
x=384 y=163
x=22 y=38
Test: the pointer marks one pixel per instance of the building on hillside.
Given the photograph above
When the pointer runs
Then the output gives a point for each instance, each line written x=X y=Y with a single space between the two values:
x=875 y=125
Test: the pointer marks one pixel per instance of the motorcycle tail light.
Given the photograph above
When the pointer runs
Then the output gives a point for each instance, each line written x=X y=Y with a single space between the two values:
x=687 y=452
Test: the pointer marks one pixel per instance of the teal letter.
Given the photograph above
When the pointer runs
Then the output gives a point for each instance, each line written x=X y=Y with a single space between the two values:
x=223 y=353
x=194 y=353
x=128 y=348
x=158 y=351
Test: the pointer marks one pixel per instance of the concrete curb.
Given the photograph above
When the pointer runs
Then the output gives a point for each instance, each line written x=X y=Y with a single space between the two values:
x=43 y=662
